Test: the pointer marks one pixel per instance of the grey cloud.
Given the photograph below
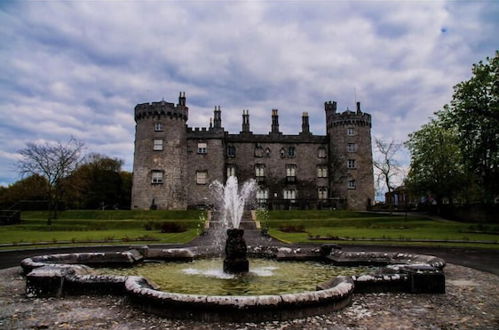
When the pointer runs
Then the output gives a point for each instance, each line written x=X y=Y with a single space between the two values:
x=78 y=68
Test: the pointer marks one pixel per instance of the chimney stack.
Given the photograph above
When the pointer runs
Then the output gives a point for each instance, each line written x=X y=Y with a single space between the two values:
x=358 y=108
x=181 y=99
x=217 y=118
x=275 y=122
x=305 y=127
x=246 y=123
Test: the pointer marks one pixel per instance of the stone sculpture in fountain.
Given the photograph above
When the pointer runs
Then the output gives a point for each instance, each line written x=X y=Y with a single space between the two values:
x=231 y=200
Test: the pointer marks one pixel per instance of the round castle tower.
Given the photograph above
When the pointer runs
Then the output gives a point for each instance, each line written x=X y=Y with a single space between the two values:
x=160 y=158
x=351 y=160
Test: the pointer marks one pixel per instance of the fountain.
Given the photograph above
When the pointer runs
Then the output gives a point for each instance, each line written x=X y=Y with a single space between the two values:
x=239 y=293
x=232 y=201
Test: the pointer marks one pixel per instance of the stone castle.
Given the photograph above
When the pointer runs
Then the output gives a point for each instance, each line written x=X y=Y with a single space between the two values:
x=174 y=164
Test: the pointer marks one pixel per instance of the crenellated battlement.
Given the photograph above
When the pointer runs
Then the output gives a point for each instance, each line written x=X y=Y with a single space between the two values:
x=174 y=164
x=348 y=117
x=161 y=109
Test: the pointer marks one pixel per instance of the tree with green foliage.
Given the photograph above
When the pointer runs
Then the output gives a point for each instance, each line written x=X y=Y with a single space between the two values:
x=474 y=115
x=436 y=162
x=54 y=162
x=31 y=188
x=99 y=183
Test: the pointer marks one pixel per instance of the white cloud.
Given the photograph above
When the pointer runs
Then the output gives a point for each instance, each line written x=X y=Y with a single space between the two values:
x=79 y=68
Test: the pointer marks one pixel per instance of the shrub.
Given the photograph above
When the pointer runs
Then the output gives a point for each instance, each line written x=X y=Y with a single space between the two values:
x=292 y=229
x=148 y=225
x=171 y=227
x=146 y=238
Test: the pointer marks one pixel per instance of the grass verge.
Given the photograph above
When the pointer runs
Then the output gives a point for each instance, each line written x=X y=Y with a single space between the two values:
x=361 y=227
x=112 y=227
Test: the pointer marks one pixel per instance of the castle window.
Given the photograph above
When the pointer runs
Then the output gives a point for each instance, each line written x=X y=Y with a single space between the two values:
x=201 y=177
x=282 y=152
x=351 y=163
x=350 y=131
x=267 y=152
x=291 y=151
x=262 y=194
x=231 y=171
x=156 y=177
x=231 y=151
x=351 y=184
x=158 y=127
x=322 y=192
x=352 y=147
x=321 y=152
x=258 y=150
x=202 y=148
x=291 y=173
x=289 y=194
x=259 y=170
x=158 y=145
x=322 y=171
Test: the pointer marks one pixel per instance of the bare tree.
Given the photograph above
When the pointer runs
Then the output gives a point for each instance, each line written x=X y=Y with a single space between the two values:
x=387 y=167
x=53 y=161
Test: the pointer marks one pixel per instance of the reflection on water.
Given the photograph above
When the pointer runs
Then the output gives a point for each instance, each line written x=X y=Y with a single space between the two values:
x=206 y=276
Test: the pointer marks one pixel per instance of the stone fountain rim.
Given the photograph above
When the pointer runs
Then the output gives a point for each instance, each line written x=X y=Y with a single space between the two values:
x=59 y=274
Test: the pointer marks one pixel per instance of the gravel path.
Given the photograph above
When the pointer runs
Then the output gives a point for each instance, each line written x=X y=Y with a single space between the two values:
x=471 y=302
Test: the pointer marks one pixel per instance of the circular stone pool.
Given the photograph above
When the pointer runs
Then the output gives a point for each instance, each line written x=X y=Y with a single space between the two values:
x=313 y=284
x=206 y=277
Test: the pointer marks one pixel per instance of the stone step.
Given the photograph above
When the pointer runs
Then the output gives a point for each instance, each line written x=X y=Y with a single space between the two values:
x=247 y=225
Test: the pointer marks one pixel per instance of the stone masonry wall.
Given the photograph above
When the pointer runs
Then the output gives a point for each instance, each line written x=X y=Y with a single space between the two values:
x=171 y=194
x=212 y=162
x=359 y=197
x=306 y=161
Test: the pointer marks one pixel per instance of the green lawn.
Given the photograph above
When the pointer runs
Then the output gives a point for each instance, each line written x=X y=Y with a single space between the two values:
x=362 y=225
x=80 y=227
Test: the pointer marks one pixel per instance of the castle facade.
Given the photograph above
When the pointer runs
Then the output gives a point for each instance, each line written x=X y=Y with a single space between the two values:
x=174 y=164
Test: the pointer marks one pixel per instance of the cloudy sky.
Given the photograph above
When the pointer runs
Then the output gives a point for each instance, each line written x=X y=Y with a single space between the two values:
x=78 y=68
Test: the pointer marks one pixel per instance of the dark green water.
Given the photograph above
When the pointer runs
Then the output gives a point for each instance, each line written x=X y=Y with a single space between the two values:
x=205 y=276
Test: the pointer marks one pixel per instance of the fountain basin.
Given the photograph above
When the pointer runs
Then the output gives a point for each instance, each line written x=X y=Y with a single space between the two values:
x=64 y=274
x=265 y=276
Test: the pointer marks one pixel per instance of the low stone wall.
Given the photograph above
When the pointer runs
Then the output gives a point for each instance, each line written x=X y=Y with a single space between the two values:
x=68 y=274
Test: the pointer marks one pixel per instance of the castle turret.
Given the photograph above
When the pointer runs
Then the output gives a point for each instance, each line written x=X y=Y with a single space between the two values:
x=351 y=162
x=160 y=158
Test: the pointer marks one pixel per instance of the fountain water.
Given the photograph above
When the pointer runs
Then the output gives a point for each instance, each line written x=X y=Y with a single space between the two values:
x=231 y=201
